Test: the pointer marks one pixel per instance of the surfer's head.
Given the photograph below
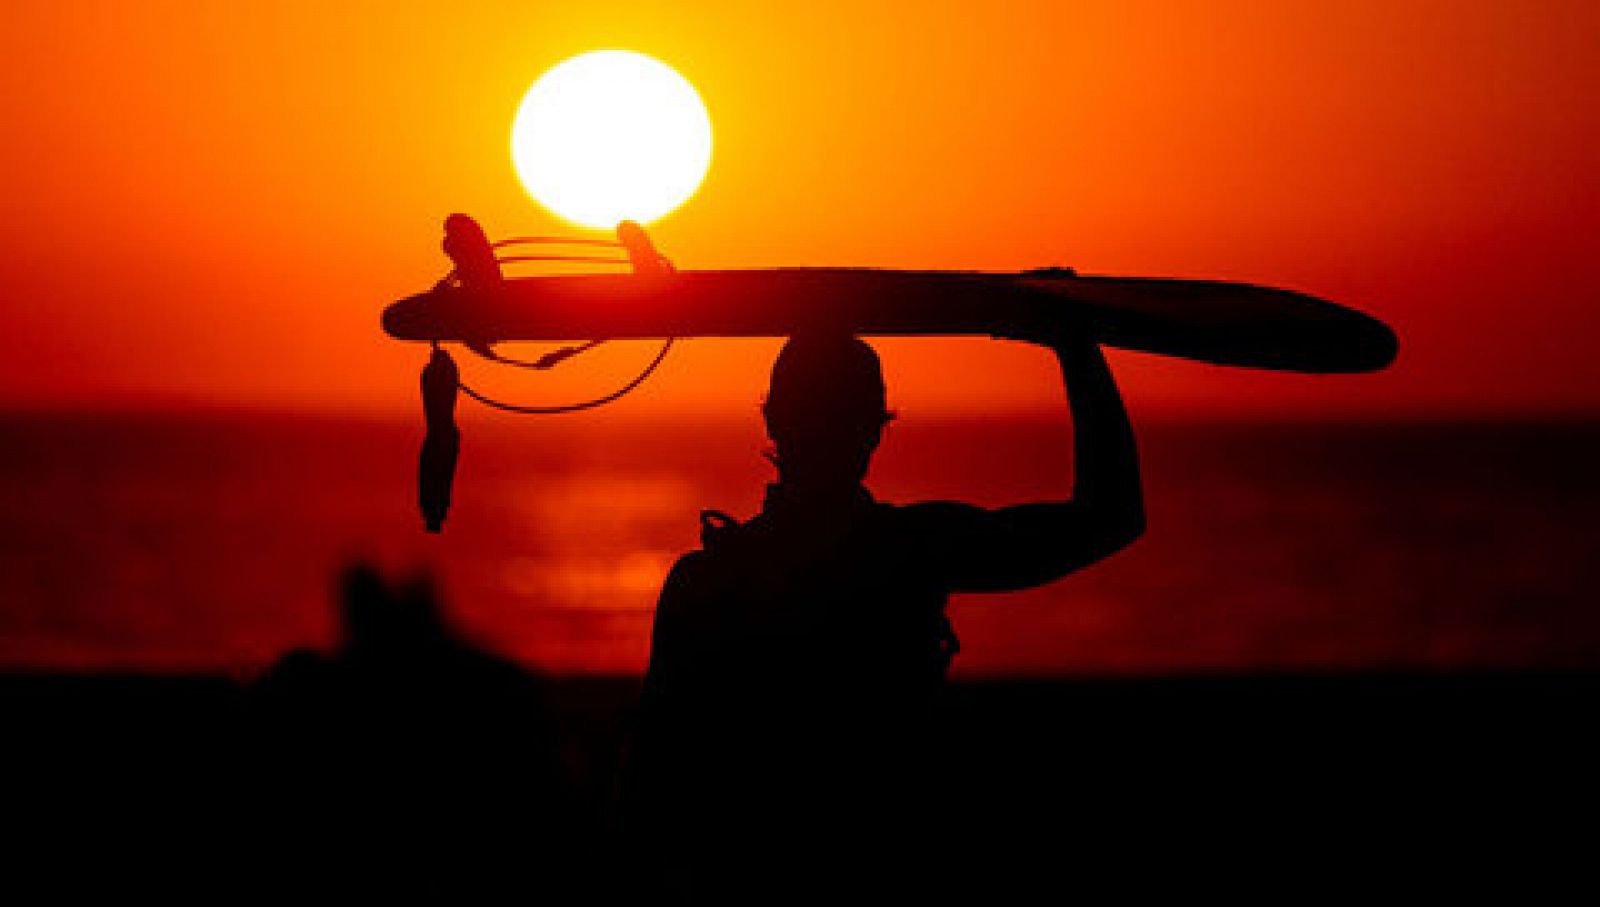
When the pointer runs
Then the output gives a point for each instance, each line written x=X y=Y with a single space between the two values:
x=825 y=409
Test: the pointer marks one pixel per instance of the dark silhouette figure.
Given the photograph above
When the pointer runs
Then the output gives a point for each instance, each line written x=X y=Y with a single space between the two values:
x=410 y=761
x=784 y=737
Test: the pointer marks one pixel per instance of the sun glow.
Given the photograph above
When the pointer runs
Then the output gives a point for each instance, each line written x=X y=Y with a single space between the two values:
x=611 y=135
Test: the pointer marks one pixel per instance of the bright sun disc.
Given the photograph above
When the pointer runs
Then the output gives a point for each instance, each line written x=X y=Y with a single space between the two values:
x=611 y=135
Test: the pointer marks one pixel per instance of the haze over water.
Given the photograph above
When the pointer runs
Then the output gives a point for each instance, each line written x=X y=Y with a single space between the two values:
x=209 y=543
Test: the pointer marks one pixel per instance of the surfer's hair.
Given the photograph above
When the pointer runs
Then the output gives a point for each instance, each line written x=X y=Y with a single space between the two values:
x=825 y=381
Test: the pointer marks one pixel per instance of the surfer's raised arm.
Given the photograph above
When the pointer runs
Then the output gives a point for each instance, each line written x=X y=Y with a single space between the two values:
x=1030 y=544
x=1106 y=483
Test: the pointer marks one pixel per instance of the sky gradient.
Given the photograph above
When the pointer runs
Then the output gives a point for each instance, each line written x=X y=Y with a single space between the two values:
x=209 y=205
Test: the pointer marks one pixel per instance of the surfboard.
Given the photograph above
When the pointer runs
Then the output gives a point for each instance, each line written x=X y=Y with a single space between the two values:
x=1221 y=322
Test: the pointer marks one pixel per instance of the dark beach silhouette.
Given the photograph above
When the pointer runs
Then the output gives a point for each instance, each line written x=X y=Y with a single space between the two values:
x=785 y=727
x=424 y=763
x=1260 y=784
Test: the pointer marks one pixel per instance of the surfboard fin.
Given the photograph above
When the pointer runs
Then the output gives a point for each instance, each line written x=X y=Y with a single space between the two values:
x=642 y=252
x=469 y=249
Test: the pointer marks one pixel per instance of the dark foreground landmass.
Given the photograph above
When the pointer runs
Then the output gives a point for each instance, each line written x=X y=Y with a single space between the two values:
x=1294 y=785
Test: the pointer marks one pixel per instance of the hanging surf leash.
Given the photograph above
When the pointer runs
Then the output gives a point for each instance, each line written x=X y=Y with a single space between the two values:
x=478 y=268
x=612 y=397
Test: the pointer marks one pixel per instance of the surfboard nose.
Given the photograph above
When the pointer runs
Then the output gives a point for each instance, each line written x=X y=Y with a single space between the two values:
x=1378 y=343
x=1322 y=338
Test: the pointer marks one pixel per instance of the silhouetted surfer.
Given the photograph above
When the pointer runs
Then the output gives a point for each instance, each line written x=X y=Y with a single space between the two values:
x=796 y=656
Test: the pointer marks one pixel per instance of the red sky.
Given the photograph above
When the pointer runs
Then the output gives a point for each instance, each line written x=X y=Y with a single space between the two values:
x=209 y=204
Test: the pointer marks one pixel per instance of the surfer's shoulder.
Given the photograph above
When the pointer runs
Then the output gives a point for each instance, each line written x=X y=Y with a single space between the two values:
x=710 y=566
x=719 y=530
x=723 y=544
x=693 y=575
x=938 y=515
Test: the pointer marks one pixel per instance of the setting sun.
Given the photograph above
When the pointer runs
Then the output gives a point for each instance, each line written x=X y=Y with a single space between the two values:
x=611 y=135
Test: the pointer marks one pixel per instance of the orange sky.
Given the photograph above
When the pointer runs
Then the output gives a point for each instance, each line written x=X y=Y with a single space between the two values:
x=212 y=202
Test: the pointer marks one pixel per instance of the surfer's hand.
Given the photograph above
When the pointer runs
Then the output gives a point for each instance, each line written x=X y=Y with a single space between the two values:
x=1066 y=340
x=1060 y=331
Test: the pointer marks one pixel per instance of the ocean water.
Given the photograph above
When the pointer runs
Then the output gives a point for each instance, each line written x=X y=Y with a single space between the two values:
x=212 y=542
